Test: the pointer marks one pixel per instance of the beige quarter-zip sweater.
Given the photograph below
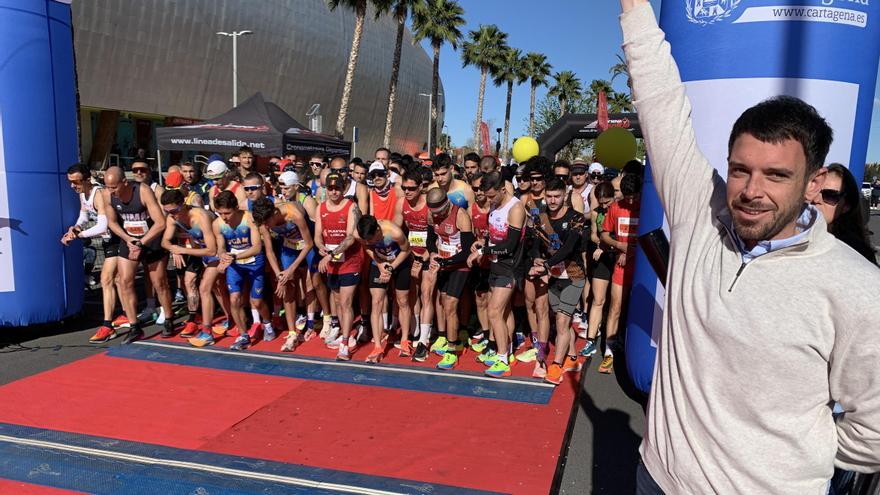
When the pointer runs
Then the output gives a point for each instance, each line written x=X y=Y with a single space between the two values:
x=750 y=356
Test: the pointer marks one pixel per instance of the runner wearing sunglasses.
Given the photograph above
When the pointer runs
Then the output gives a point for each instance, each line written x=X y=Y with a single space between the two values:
x=411 y=213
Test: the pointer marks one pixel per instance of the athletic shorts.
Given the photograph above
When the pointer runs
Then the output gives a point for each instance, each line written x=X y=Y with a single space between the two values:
x=480 y=279
x=194 y=264
x=288 y=256
x=312 y=260
x=505 y=281
x=452 y=283
x=150 y=253
x=604 y=267
x=111 y=247
x=400 y=276
x=336 y=281
x=565 y=294
x=239 y=275
x=623 y=275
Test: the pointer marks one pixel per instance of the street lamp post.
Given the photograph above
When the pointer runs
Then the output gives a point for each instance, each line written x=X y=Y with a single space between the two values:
x=430 y=133
x=234 y=35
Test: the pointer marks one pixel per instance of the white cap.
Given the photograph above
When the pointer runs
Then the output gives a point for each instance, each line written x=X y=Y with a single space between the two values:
x=289 y=178
x=596 y=167
x=377 y=165
x=216 y=170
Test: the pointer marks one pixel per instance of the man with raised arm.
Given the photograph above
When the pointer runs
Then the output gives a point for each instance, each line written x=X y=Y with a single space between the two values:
x=769 y=319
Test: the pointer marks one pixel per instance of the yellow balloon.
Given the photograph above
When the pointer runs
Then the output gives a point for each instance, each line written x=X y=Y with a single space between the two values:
x=525 y=148
x=615 y=147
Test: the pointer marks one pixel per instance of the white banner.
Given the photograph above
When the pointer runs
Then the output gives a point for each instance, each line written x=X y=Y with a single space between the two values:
x=806 y=13
x=7 y=274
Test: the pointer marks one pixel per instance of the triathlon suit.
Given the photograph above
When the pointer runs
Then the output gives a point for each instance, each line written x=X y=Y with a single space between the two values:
x=451 y=279
x=480 y=273
x=312 y=258
x=416 y=223
x=250 y=269
x=505 y=270
x=344 y=268
x=386 y=251
x=623 y=224
x=109 y=241
x=292 y=242
x=603 y=267
x=193 y=237
x=383 y=209
x=136 y=222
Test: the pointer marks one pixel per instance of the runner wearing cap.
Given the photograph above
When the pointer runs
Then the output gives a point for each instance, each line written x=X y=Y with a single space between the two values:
x=341 y=259
x=242 y=259
x=286 y=223
x=411 y=214
x=383 y=194
x=386 y=246
x=222 y=177
x=188 y=236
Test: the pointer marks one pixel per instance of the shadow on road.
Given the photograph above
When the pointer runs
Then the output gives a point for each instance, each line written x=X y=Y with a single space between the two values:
x=615 y=449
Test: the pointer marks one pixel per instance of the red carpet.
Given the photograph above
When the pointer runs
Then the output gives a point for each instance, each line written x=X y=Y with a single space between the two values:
x=10 y=487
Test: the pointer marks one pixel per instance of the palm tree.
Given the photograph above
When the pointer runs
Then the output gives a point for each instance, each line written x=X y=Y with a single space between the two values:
x=360 y=9
x=597 y=86
x=484 y=50
x=438 y=21
x=620 y=102
x=399 y=9
x=567 y=87
x=621 y=69
x=538 y=71
x=510 y=70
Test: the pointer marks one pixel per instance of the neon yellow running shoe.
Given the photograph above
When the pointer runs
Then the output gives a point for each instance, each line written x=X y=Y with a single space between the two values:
x=448 y=362
x=439 y=344
x=528 y=355
x=480 y=346
x=488 y=358
x=498 y=370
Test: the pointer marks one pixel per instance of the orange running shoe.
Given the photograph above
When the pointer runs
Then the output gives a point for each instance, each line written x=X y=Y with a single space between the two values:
x=103 y=335
x=121 y=321
x=607 y=365
x=190 y=329
x=570 y=364
x=554 y=374
x=406 y=348
x=376 y=355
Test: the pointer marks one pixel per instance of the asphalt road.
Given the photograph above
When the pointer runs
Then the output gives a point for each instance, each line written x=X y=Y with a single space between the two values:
x=603 y=450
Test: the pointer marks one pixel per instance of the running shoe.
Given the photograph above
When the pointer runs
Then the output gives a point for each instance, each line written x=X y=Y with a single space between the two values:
x=310 y=334
x=179 y=298
x=477 y=338
x=268 y=334
x=421 y=353
x=352 y=344
x=480 y=346
x=300 y=323
x=540 y=370
x=519 y=340
x=160 y=319
x=103 y=335
x=498 y=370
x=241 y=343
x=148 y=315
x=168 y=329
x=571 y=364
x=528 y=355
x=488 y=358
x=191 y=329
x=290 y=342
x=589 y=349
x=343 y=354
x=376 y=355
x=554 y=374
x=221 y=329
x=448 y=362
x=362 y=335
x=326 y=323
x=254 y=331
x=406 y=348
x=335 y=343
x=180 y=311
x=439 y=344
x=332 y=336
x=607 y=365
x=202 y=339
x=121 y=321
x=133 y=335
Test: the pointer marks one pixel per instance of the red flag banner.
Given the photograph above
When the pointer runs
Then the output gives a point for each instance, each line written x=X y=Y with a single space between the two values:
x=484 y=132
x=602 y=112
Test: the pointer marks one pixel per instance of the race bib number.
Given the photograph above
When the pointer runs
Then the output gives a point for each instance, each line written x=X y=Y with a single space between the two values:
x=418 y=239
x=250 y=260
x=336 y=258
x=295 y=244
x=136 y=228
x=447 y=250
x=558 y=270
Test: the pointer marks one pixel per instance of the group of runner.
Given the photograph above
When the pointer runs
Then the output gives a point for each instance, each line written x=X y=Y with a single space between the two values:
x=421 y=249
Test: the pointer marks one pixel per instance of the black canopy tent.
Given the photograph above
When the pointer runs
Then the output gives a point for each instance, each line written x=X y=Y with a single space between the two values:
x=256 y=123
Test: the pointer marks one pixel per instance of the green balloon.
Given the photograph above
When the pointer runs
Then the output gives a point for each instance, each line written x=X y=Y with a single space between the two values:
x=615 y=147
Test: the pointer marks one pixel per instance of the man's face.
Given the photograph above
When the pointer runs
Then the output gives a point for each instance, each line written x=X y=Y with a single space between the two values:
x=596 y=177
x=359 y=173
x=288 y=192
x=471 y=167
x=479 y=195
x=115 y=186
x=537 y=181
x=316 y=166
x=340 y=168
x=77 y=183
x=440 y=211
x=227 y=214
x=379 y=178
x=494 y=197
x=411 y=190
x=562 y=174
x=384 y=157
x=604 y=202
x=443 y=176
x=189 y=174
x=523 y=182
x=141 y=172
x=766 y=186
x=334 y=192
x=174 y=211
x=246 y=160
x=554 y=200
x=253 y=189
x=578 y=177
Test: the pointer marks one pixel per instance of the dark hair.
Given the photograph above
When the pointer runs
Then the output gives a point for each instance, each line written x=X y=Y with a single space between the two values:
x=492 y=180
x=634 y=167
x=604 y=190
x=383 y=149
x=851 y=226
x=79 y=168
x=555 y=184
x=356 y=161
x=412 y=175
x=489 y=160
x=262 y=209
x=358 y=164
x=476 y=176
x=172 y=197
x=443 y=160
x=472 y=157
x=630 y=184
x=539 y=164
x=367 y=226
x=561 y=164
x=426 y=174
x=245 y=149
x=786 y=117
x=226 y=199
x=254 y=175
x=319 y=156
x=395 y=156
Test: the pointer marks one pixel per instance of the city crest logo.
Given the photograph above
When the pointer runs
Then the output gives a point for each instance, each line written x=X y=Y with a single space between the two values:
x=705 y=12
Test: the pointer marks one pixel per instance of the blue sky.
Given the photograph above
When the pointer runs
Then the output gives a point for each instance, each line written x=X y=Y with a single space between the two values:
x=578 y=35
